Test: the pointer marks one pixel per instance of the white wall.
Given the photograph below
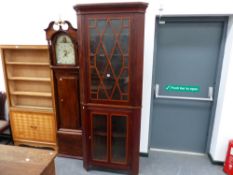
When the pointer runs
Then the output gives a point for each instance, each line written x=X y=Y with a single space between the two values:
x=22 y=22
x=223 y=128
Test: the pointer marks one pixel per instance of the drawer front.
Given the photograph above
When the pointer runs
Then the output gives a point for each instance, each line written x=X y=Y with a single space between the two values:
x=33 y=126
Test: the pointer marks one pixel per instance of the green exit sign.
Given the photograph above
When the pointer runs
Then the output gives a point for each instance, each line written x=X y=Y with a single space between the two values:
x=181 y=88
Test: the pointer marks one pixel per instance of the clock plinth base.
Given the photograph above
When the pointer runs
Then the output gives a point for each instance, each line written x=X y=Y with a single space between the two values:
x=70 y=143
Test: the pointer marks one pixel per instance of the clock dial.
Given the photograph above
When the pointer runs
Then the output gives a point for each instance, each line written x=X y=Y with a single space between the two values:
x=64 y=50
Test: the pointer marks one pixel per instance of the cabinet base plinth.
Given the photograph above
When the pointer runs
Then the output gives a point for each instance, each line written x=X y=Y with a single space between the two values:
x=70 y=144
x=35 y=144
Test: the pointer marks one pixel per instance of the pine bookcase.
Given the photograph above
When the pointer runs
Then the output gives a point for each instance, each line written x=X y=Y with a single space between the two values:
x=30 y=94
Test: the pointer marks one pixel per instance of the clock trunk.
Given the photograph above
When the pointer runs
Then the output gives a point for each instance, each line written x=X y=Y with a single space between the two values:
x=69 y=132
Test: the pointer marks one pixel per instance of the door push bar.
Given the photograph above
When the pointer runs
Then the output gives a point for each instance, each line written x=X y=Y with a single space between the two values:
x=209 y=98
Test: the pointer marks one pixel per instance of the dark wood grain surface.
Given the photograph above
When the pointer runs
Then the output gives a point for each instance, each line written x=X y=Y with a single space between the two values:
x=26 y=161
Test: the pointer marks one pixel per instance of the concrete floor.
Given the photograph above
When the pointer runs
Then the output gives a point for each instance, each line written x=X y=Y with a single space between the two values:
x=158 y=163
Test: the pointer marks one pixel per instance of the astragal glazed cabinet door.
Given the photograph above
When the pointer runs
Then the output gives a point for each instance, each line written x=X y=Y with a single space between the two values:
x=109 y=53
x=109 y=137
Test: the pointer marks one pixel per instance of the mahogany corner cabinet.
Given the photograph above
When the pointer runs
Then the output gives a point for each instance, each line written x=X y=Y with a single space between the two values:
x=110 y=43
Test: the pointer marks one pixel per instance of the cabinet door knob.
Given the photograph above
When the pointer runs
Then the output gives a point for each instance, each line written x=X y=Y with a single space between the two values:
x=33 y=127
x=89 y=137
x=60 y=79
x=61 y=100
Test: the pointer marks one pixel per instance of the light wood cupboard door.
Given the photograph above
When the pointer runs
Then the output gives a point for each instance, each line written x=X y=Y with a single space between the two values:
x=33 y=126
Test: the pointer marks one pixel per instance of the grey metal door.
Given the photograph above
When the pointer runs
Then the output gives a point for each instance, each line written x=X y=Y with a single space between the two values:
x=186 y=65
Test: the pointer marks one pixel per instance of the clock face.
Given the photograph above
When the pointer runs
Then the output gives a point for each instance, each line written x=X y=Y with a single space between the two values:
x=64 y=50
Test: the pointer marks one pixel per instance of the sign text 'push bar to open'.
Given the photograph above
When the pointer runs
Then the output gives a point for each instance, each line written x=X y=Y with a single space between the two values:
x=180 y=88
x=183 y=89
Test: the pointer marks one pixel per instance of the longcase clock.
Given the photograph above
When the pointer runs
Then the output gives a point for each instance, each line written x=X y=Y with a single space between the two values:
x=62 y=45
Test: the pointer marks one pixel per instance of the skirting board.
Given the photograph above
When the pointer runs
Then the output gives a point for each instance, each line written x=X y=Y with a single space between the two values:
x=144 y=154
x=177 y=152
x=186 y=152
x=215 y=162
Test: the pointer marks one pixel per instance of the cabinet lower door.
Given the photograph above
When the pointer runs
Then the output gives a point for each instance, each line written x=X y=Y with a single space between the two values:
x=99 y=130
x=118 y=138
x=109 y=143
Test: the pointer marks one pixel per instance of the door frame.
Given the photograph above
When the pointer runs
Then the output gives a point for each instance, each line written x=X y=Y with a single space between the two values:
x=192 y=19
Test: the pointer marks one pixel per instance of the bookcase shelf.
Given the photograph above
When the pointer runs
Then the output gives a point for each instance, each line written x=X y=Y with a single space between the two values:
x=30 y=108
x=39 y=94
x=30 y=79
x=27 y=63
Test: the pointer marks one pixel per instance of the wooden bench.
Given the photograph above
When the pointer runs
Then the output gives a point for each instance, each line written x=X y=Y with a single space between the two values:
x=16 y=160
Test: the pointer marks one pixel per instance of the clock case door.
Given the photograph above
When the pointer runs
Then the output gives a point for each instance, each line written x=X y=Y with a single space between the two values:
x=67 y=98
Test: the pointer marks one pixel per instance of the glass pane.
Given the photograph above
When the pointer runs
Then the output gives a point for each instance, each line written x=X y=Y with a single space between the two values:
x=116 y=61
x=101 y=25
x=94 y=80
x=125 y=22
x=116 y=25
x=64 y=50
x=101 y=61
x=94 y=40
x=109 y=81
x=93 y=95
x=119 y=138
x=124 y=39
x=92 y=60
x=126 y=60
x=92 y=23
x=116 y=94
x=102 y=94
x=123 y=81
x=108 y=39
x=99 y=141
x=125 y=97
